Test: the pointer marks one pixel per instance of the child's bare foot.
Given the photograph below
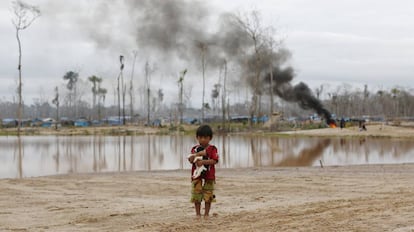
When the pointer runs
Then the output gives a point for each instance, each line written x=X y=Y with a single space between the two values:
x=205 y=217
x=198 y=218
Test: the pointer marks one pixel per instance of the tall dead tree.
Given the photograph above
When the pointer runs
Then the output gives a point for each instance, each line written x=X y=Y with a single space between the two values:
x=55 y=101
x=131 y=85
x=24 y=15
x=147 y=84
x=181 y=87
x=224 y=95
x=203 y=50
x=251 y=25
x=160 y=99
x=148 y=71
x=272 y=44
x=120 y=80
x=123 y=90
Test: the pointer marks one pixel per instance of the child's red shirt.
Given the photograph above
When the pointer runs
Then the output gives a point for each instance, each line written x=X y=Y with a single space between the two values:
x=212 y=153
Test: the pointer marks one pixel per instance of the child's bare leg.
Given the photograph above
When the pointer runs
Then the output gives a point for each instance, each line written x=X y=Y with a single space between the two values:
x=197 y=206
x=207 y=209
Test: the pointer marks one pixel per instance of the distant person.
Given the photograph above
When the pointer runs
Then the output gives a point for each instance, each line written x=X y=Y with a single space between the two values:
x=203 y=158
x=364 y=127
x=342 y=123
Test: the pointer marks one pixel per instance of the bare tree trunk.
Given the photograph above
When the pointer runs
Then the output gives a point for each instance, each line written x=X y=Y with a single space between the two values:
x=121 y=59
x=56 y=102
x=19 y=88
x=119 y=99
x=123 y=100
x=203 y=66
x=20 y=156
x=131 y=88
x=181 y=107
x=223 y=96
x=271 y=91
x=149 y=107
x=148 y=91
x=24 y=16
x=76 y=101
x=255 y=98
x=121 y=85
x=93 y=105
x=181 y=104
x=57 y=117
x=251 y=25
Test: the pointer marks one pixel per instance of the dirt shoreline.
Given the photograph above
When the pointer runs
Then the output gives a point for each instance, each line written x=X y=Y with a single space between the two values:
x=375 y=130
x=372 y=130
x=348 y=198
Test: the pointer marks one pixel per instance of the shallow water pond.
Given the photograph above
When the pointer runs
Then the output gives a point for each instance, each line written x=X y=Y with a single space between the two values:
x=30 y=156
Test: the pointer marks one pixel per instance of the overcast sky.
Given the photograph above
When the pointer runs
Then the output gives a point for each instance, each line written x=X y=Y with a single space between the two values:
x=333 y=42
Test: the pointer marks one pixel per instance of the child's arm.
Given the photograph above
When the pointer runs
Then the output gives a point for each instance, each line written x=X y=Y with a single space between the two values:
x=212 y=157
x=191 y=157
x=206 y=162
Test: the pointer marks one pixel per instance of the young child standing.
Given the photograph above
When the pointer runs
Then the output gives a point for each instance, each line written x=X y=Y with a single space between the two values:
x=202 y=187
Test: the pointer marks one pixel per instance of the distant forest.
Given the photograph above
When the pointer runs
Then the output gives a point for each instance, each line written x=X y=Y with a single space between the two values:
x=396 y=103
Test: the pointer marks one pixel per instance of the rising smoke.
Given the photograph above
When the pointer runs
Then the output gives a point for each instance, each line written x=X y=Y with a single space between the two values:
x=299 y=93
x=172 y=28
x=178 y=30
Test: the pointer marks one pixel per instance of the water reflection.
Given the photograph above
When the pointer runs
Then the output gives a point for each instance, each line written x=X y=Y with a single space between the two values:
x=26 y=156
x=307 y=156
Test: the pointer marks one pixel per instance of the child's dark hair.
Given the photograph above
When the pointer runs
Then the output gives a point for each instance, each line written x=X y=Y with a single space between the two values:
x=204 y=130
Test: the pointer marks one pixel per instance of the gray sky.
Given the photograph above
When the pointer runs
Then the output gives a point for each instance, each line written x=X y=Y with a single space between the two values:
x=332 y=43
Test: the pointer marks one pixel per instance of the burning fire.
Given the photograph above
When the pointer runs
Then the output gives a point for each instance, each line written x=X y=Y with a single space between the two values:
x=332 y=125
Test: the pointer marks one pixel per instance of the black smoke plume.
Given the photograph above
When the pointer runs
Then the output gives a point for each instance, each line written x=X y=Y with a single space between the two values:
x=299 y=93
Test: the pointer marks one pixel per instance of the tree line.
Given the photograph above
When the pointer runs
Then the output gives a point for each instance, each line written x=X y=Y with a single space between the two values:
x=344 y=101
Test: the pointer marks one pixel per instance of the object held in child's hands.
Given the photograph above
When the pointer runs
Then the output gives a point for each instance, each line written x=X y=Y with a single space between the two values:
x=200 y=170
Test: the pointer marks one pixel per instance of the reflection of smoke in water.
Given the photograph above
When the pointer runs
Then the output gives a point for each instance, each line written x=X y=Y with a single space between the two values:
x=307 y=156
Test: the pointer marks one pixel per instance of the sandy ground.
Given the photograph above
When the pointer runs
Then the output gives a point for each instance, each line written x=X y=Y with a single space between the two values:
x=350 y=198
x=353 y=198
